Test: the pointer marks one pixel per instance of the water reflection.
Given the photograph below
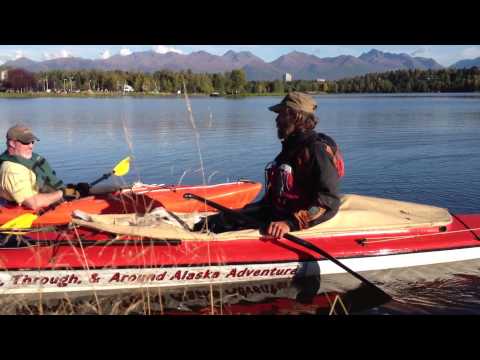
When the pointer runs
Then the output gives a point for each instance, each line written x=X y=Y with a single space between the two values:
x=300 y=296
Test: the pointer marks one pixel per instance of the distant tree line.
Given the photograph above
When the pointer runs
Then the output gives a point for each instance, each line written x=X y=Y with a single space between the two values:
x=404 y=81
x=164 y=81
x=234 y=82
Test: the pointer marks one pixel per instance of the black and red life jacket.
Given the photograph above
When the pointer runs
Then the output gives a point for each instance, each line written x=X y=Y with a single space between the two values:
x=283 y=190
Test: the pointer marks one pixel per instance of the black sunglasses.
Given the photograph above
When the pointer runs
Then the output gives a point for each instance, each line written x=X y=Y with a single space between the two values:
x=27 y=143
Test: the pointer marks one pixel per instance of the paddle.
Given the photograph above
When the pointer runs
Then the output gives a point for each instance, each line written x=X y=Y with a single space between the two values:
x=9 y=242
x=25 y=221
x=122 y=168
x=294 y=239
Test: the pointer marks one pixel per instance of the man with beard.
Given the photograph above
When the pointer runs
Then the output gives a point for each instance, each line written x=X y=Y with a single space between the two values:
x=301 y=187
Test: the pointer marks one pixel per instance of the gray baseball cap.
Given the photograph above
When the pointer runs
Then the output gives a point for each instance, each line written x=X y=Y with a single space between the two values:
x=21 y=133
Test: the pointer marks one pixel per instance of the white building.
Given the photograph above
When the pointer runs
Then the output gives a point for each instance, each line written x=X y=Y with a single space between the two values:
x=3 y=75
x=127 y=88
x=321 y=80
x=287 y=77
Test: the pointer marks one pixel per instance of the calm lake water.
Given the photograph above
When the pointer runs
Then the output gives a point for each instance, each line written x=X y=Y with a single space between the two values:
x=406 y=147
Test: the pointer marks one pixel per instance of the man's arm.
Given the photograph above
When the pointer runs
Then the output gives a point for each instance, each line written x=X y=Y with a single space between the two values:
x=325 y=197
x=41 y=200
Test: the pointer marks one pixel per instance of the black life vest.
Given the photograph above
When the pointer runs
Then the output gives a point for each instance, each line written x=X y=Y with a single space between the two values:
x=47 y=180
x=282 y=189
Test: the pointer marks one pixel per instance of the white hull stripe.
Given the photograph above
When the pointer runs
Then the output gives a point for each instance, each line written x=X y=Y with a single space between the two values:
x=50 y=281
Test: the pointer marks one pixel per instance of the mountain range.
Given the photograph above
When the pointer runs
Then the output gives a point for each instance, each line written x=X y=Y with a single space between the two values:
x=300 y=65
x=467 y=63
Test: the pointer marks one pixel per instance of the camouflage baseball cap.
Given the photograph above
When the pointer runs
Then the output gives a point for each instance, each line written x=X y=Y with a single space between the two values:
x=297 y=101
x=21 y=133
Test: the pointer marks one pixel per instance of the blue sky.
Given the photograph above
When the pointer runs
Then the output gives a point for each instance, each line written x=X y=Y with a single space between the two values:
x=446 y=55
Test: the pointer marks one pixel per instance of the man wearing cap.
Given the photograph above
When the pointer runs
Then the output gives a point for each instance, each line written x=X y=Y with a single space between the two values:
x=301 y=188
x=26 y=178
x=302 y=181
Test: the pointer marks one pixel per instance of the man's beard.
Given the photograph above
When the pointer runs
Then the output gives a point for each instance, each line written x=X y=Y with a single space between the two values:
x=281 y=134
x=284 y=132
x=26 y=156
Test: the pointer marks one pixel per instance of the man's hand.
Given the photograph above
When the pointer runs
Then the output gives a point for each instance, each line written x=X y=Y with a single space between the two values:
x=76 y=191
x=70 y=193
x=277 y=229
x=83 y=189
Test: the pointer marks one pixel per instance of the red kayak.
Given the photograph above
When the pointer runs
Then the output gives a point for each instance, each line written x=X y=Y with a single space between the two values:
x=368 y=234
x=142 y=198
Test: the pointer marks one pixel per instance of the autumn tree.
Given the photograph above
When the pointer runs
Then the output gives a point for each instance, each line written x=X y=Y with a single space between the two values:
x=19 y=79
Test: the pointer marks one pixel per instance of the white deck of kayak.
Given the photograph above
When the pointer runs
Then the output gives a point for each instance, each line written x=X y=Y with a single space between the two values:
x=358 y=214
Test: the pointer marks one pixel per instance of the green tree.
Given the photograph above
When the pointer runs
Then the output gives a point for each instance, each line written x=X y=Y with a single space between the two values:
x=238 y=81
x=138 y=82
x=218 y=82
x=278 y=86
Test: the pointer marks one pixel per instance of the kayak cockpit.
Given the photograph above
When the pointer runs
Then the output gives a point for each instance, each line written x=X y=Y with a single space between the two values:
x=358 y=214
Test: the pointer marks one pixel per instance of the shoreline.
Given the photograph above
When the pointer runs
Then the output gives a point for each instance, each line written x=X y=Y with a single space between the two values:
x=30 y=95
x=121 y=94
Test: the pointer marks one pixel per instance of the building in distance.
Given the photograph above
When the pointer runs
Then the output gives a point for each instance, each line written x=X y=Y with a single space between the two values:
x=127 y=88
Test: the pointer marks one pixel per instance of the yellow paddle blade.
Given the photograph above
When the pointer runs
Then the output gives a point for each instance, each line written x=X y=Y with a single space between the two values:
x=23 y=221
x=122 y=168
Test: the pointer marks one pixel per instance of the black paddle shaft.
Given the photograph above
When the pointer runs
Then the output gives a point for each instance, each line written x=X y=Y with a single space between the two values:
x=104 y=177
x=287 y=236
